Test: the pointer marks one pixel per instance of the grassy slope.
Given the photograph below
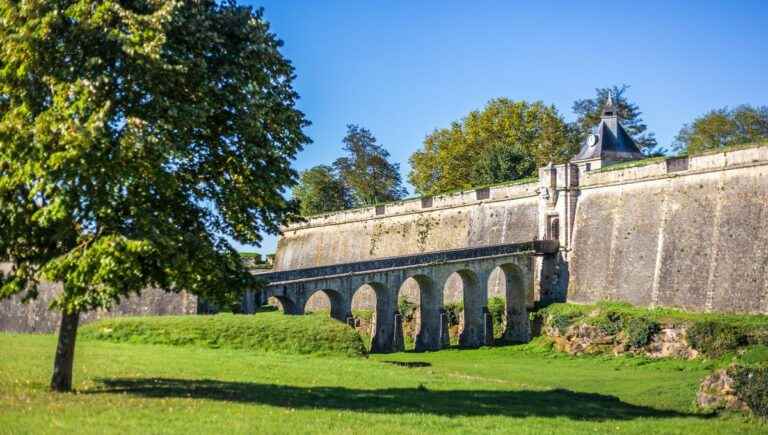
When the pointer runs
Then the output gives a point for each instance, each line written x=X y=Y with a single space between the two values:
x=162 y=389
x=270 y=331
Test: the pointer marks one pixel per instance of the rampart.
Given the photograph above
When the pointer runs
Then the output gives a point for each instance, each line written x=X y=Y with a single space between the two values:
x=683 y=232
x=687 y=232
x=35 y=316
x=488 y=216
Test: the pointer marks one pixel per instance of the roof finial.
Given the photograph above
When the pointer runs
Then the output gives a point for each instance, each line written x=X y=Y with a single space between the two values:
x=608 y=109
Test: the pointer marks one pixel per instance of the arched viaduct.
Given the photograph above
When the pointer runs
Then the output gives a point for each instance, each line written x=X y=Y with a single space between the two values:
x=430 y=271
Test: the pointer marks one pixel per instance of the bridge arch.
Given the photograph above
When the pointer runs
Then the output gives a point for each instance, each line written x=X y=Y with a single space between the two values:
x=287 y=305
x=340 y=307
x=474 y=297
x=386 y=331
x=512 y=278
x=429 y=303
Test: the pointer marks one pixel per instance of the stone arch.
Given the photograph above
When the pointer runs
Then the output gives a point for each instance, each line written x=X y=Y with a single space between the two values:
x=475 y=299
x=386 y=331
x=285 y=304
x=430 y=302
x=340 y=309
x=518 y=327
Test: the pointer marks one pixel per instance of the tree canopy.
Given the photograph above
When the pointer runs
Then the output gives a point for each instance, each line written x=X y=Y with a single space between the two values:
x=504 y=141
x=320 y=189
x=724 y=127
x=589 y=110
x=366 y=169
x=138 y=138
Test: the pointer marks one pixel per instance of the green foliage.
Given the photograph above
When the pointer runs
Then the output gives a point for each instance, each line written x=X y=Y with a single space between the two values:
x=724 y=128
x=321 y=190
x=751 y=385
x=753 y=356
x=454 y=311
x=366 y=170
x=713 y=334
x=560 y=316
x=263 y=332
x=610 y=322
x=497 y=308
x=641 y=330
x=504 y=141
x=589 y=110
x=714 y=338
x=138 y=139
x=406 y=308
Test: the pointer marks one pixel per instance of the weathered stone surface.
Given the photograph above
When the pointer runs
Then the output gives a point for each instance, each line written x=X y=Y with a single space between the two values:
x=670 y=342
x=717 y=391
x=35 y=316
x=454 y=221
x=694 y=239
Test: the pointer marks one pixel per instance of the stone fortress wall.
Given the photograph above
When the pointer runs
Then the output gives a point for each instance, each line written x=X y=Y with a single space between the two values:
x=35 y=316
x=680 y=232
x=688 y=233
x=481 y=217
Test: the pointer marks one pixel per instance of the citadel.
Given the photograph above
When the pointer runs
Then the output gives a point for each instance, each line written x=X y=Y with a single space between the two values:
x=685 y=232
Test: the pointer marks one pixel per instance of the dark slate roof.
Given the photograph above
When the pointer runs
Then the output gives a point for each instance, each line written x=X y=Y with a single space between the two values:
x=613 y=142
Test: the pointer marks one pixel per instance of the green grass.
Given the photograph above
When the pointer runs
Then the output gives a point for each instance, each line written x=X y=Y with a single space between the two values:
x=664 y=315
x=631 y=164
x=131 y=388
x=268 y=331
x=716 y=335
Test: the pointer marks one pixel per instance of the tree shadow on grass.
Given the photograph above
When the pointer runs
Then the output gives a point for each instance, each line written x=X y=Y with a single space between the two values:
x=451 y=403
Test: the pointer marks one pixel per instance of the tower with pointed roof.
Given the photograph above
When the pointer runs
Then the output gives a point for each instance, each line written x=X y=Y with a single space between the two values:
x=609 y=143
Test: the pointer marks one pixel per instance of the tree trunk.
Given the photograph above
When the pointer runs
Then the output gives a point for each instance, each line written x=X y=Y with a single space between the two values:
x=65 y=352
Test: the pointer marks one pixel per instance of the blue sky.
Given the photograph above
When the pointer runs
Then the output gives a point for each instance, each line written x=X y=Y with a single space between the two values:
x=404 y=68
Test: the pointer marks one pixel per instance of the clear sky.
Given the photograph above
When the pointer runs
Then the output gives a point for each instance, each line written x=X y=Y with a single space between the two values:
x=404 y=68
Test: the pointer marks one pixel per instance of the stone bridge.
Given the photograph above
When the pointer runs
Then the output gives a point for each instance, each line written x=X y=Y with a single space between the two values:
x=430 y=271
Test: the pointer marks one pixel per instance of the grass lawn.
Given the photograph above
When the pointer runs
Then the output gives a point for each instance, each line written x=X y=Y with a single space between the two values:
x=123 y=387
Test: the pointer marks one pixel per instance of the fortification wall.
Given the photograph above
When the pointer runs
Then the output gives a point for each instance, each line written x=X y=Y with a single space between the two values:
x=495 y=215
x=35 y=316
x=503 y=214
x=665 y=234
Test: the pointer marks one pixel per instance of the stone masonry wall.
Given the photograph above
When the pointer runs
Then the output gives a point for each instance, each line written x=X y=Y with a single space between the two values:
x=35 y=316
x=497 y=215
x=453 y=221
x=694 y=239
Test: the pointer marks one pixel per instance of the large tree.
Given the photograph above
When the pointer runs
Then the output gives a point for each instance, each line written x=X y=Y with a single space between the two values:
x=504 y=141
x=588 y=113
x=366 y=169
x=724 y=127
x=320 y=190
x=137 y=137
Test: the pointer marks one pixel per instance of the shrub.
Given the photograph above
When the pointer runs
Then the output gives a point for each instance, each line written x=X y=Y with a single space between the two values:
x=715 y=338
x=641 y=330
x=406 y=308
x=269 y=332
x=751 y=384
x=560 y=321
x=453 y=310
x=609 y=324
x=497 y=308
